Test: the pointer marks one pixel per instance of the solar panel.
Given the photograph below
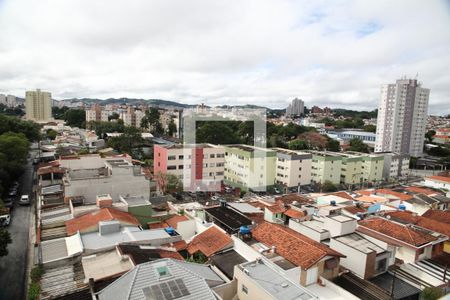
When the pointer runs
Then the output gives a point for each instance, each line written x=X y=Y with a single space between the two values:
x=168 y=290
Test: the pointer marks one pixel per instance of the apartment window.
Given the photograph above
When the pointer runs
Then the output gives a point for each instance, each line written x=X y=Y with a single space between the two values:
x=212 y=165
x=180 y=167
x=180 y=156
x=212 y=155
x=219 y=165
x=171 y=167
x=219 y=173
x=205 y=165
x=171 y=157
x=300 y=168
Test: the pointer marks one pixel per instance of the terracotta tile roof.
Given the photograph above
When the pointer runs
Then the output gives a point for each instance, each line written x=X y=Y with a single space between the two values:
x=427 y=223
x=209 y=241
x=421 y=190
x=343 y=195
x=364 y=192
x=370 y=199
x=49 y=170
x=439 y=178
x=438 y=215
x=277 y=208
x=256 y=217
x=294 y=213
x=401 y=196
x=157 y=225
x=258 y=204
x=89 y=221
x=290 y=198
x=173 y=221
x=391 y=230
x=169 y=254
x=180 y=245
x=293 y=246
x=354 y=210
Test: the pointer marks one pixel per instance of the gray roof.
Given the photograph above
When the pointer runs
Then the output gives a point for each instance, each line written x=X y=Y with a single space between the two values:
x=359 y=243
x=54 y=250
x=142 y=281
x=244 y=208
x=275 y=282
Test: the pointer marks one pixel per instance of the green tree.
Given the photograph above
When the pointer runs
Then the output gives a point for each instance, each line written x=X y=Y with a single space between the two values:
x=333 y=145
x=172 y=128
x=358 y=146
x=432 y=293
x=298 y=145
x=429 y=135
x=216 y=132
x=129 y=142
x=113 y=116
x=152 y=121
x=5 y=239
x=13 y=124
x=51 y=134
x=370 y=128
x=329 y=187
x=75 y=118
x=59 y=113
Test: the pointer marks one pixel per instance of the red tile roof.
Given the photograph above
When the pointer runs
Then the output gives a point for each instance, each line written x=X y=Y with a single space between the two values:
x=439 y=178
x=294 y=213
x=293 y=246
x=401 y=196
x=157 y=225
x=438 y=215
x=343 y=195
x=180 y=245
x=49 y=170
x=421 y=190
x=277 y=208
x=354 y=210
x=170 y=254
x=209 y=241
x=290 y=198
x=173 y=221
x=86 y=222
x=410 y=218
x=391 y=230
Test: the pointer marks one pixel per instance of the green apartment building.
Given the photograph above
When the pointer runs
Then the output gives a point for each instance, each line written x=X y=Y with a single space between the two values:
x=325 y=166
x=372 y=166
x=351 y=169
x=249 y=167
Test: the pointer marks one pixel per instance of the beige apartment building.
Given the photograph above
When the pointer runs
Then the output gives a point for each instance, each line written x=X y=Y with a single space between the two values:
x=38 y=106
x=293 y=168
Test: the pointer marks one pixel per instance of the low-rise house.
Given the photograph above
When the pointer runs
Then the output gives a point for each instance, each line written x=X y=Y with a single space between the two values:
x=438 y=182
x=105 y=265
x=309 y=258
x=226 y=217
x=183 y=225
x=262 y=280
x=57 y=252
x=90 y=222
x=438 y=215
x=164 y=279
x=412 y=243
x=209 y=242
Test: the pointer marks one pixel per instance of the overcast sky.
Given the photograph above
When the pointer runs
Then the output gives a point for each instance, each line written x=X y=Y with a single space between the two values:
x=334 y=53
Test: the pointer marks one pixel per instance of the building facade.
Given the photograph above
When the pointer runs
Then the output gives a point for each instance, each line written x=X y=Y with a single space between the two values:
x=396 y=165
x=402 y=117
x=249 y=167
x=197 y=166
x=38 y=105
x=296 y=108
x=372 y=166
x=293 y=168
x=8 y=100
x=325 y=166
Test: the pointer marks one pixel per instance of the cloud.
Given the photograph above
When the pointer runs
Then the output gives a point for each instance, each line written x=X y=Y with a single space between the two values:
x=259 y=52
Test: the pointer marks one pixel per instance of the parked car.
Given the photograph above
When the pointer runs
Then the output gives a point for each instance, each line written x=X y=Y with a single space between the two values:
x=12 y=193
x=24 y=200
x=8 y=202
x=5 y=217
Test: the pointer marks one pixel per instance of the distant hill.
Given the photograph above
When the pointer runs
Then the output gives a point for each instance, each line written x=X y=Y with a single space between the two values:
x=130 y=101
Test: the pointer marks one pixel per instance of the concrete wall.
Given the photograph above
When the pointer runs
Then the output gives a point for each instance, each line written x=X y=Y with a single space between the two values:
x=355 y=260
x=312 y=234
x=339 y=228
x=245 y=250
x=253 y=290
x=187 y=229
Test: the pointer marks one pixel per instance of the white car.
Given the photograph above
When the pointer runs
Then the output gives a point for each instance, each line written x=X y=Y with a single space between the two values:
x=5 y=220
x=24 y=200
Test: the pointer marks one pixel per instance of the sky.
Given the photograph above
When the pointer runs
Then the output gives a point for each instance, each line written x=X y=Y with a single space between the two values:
x=262 y=52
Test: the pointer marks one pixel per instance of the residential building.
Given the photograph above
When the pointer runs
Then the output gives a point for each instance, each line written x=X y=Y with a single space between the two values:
x=372 y=166
x=351 y=168
x=200 y=166
x=97 y=113
x=296 y=108
x=325 y=166
x=402 y=117
x=226 y=217
x=263 y=280
x=396 y=165
x=442 y=136
x=38 y=106
x=209 y=242
x=8 y=100
x=164 y=279
x=293 y=167
x=132 y=117
x=437 y=182
x=346 y=135
x=413 y=243
x=249 y=167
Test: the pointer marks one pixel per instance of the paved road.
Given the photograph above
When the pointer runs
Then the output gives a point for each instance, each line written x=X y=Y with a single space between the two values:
x=13 y=266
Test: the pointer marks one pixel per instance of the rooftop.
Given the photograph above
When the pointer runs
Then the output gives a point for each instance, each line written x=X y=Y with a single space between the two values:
x=135 y=200
x=106 y=264
x=244 y=207
x=384 y=229
x=140 y=254
x=58 y=249
x=275 y=282
x=210 y=241
x=173 y=221
x=438 y=215
x=439 y=178
x=293 y=246
x=225 y=261
x=163 y=279
x=228 y=217
x=407 y=217
x=359 y=243
x=89 y=222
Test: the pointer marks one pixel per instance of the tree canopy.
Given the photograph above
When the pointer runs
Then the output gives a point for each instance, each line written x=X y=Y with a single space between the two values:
x=358 y=146
x=75 y=118
x=30 y=129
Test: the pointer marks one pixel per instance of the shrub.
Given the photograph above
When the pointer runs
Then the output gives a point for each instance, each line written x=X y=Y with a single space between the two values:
x=33 y=291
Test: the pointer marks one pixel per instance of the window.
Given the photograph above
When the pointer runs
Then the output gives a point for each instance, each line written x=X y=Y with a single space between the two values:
x=180 y=156
x=180 y=167
x=171 y=167
x=212 y=165
x=244 y=289
x=171 y=157
x=219 y=173
x=212 y=155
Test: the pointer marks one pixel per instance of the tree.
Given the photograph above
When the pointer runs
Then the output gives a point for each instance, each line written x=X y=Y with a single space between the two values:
x=172 y=128
x=59 y=113
x=431 y=293
x=297 y=145
x=151 y=121
x=370 y=128
x=5 y=239
x=333 y=145
x=329 y=187
x=51 y=134
x=358 y=146
x=167 y=182
x=129 y=142
x=113 y=116
x=13 y=124
x=429 y=135
x=75 y=118
x=216 y=132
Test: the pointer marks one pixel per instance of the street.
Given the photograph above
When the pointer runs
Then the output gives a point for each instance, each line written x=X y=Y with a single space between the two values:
x=13 y=266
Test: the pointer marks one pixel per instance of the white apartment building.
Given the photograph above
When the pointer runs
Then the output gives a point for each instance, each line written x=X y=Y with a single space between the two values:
x=402 y=116
x=132 y=117
x=8 y=100
x=97 y=113
x=396 y=165
x=296 y=108
x=38 y=105
x=293 y=168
